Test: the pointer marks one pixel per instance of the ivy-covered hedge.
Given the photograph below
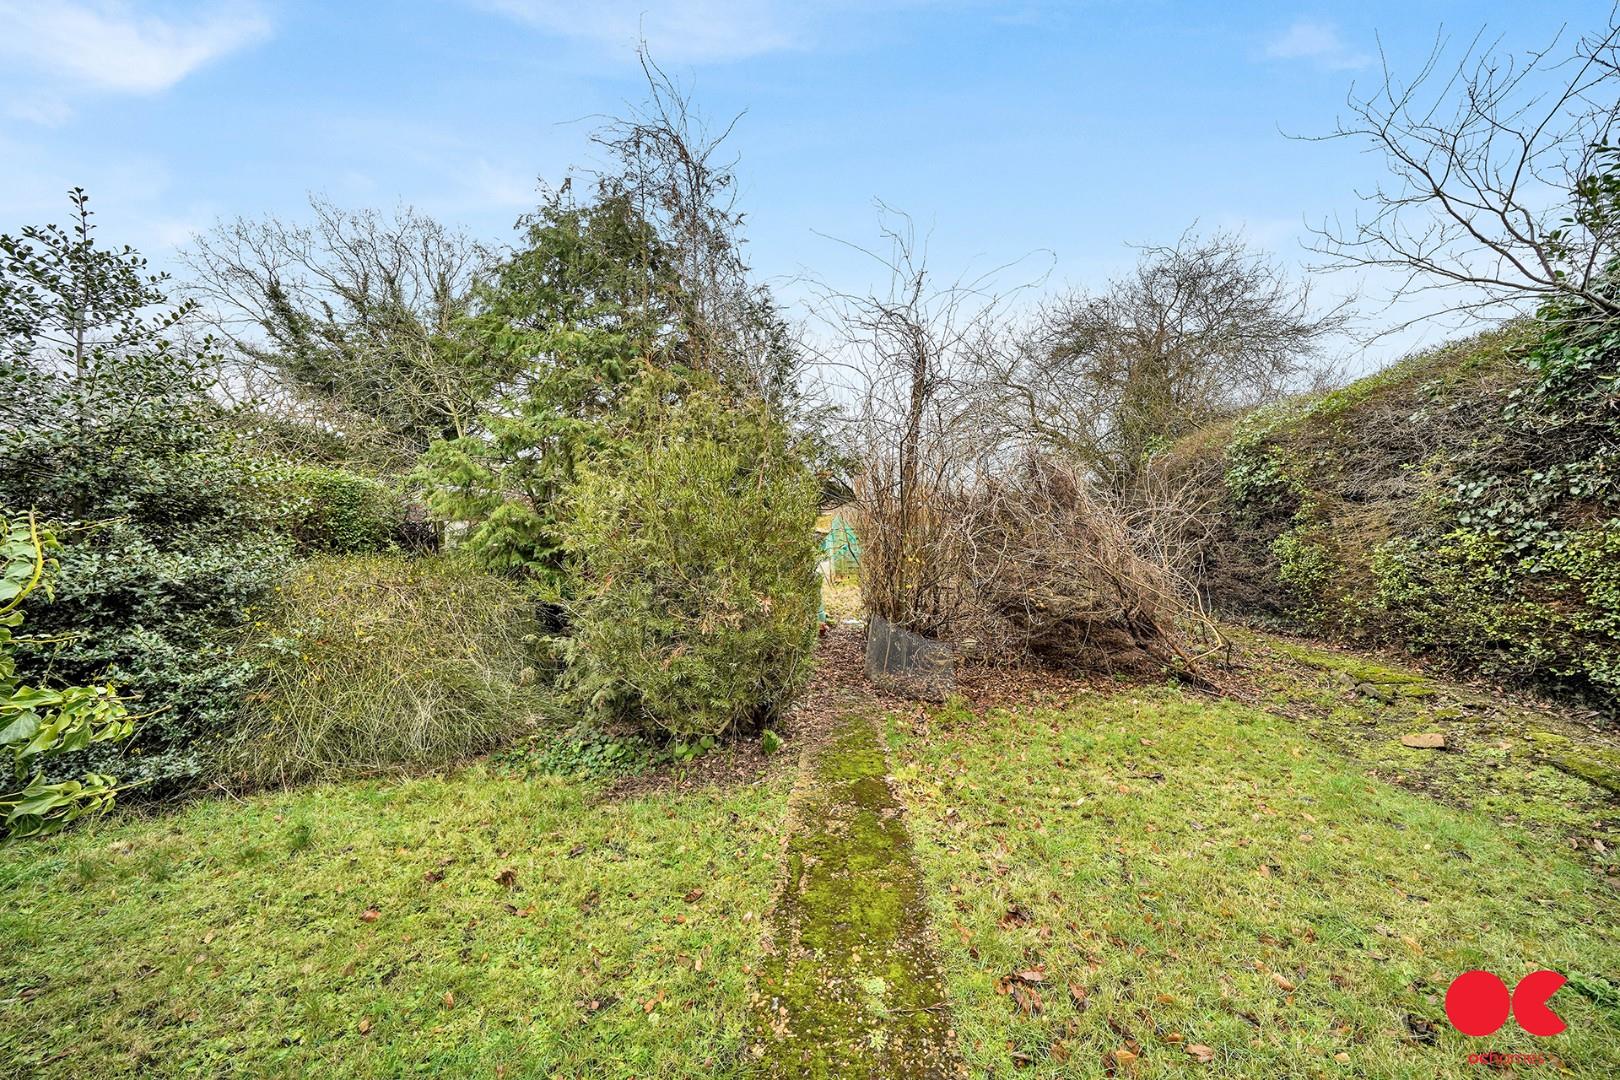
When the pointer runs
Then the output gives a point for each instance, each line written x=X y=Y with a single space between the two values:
x=325 y=509
x=1464 y=503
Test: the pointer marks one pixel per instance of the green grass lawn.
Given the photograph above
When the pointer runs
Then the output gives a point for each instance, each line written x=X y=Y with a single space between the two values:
x=1146 y=881
x=1208 y=876
x=1517 y=763
x=371 y=929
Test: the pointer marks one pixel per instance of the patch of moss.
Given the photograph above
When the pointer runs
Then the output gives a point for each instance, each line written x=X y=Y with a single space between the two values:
x=1358 y=669
x=1598 y=767
x=851 y=987
x=1501 y=758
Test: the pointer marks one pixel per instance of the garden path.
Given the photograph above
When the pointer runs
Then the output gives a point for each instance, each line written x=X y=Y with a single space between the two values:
x=850 y=986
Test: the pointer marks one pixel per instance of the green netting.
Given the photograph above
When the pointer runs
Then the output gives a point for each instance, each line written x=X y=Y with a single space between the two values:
x=841 y=545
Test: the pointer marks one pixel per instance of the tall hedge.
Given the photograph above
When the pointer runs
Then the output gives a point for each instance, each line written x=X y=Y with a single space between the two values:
x=1463 y=504
x=163 y=546
x=109 y=434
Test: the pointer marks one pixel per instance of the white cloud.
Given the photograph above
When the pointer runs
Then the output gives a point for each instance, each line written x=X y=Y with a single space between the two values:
x=677 y=30
x=43 y=109
x=107 y=45
x=496 y=185
x=1318 y=42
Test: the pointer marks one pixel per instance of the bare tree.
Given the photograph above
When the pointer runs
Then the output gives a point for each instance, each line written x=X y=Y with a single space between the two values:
x=1199 y=328
x=346 y=321
x=971 y=531
x=1488 y=159
x=679 y=175
x=907 y=349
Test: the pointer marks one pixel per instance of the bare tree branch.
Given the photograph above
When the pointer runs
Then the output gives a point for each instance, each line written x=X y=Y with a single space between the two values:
x=1486 y=156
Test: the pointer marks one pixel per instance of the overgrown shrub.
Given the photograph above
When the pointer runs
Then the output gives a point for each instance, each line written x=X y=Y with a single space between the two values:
x=39 y=724
x=381 y=663
x=696 y=596
x=161 y=552
x=1303 y=566
x=583 y=313
x=327 y=509
x=108 y=432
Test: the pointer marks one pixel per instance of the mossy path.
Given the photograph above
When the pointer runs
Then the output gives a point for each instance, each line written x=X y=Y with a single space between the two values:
x=850 y=986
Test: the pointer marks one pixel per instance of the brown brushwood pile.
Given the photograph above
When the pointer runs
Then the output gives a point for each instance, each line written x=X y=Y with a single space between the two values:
x=1048 y=570
x=977 y=527
x=1027 y=562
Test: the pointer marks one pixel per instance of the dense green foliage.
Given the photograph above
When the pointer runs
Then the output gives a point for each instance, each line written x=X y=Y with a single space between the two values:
x=574 y=312
x=1464 y=503
x=327 y=509
x=1523 y=579
x=381 y=663
x=695 y=606
x=107 y=432
x=663 y=510
x=40 y=723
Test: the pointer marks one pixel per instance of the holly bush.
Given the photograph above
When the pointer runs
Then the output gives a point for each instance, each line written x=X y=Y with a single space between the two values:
x=41 y=723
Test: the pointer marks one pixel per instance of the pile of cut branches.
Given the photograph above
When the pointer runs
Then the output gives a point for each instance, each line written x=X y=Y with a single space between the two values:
x=1047 y=568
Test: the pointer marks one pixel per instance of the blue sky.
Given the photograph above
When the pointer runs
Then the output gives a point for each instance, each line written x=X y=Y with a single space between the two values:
x=1003 y=128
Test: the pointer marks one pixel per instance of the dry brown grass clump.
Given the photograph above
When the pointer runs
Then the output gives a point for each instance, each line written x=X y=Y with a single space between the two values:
x=381 y=664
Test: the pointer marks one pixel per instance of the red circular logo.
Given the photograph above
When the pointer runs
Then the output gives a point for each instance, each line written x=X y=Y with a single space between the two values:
x=1530 y=1003
x=1477 y=1003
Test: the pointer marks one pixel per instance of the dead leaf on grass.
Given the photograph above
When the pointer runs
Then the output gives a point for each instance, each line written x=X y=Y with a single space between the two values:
x=1421 y=1030
x=1028 y=999
x=1121 y=1058
x=1017 y=915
